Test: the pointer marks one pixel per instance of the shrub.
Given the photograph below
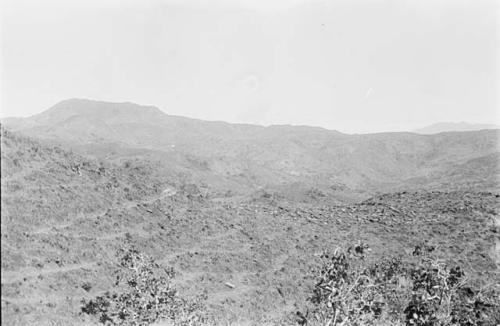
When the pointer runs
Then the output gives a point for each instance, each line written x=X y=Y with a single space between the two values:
x=144 y=295
x=87 y=286
x=425 y=292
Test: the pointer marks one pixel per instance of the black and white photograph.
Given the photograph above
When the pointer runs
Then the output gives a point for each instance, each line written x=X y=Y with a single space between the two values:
x=250 y=162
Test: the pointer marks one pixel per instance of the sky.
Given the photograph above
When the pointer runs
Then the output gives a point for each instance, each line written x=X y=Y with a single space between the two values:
x=356 y=66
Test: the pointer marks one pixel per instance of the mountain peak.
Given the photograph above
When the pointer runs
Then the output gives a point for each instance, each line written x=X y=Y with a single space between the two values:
x=100 y=110
x=90 y=106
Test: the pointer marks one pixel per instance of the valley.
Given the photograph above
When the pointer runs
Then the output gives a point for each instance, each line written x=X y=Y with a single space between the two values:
x=240 y=212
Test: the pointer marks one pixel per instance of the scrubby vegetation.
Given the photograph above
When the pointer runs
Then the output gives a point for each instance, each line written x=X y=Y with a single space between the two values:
x=64 y=214
x=350 y=290
x=143 y=295
x=422 y=291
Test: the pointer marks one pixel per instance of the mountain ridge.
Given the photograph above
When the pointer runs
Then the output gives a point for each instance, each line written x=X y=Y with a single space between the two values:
x=255 y=156
x=88 y=104
x=440 y=127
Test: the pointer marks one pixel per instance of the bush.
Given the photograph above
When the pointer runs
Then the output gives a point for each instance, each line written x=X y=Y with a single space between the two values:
x=144 y=295
x=426 y=292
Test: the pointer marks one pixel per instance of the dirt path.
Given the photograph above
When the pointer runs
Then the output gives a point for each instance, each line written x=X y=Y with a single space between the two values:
x=33 y=300
x=21 y=274
x=54 y=229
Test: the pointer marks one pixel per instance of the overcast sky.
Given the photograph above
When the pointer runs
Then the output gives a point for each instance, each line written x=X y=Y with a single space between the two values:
x=354 y=66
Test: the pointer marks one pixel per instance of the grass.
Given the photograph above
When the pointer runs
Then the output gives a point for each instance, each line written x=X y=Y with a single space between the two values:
x=64 y=216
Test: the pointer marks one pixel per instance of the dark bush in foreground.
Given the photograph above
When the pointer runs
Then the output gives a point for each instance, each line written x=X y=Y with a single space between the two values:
x=427 y=292
x=143 y=296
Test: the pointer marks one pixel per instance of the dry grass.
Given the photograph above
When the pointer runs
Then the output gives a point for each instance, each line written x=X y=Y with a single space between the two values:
x=65 y=215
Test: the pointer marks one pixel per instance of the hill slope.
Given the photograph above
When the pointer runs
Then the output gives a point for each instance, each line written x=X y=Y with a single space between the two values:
x=64 y=215
x=245 y=158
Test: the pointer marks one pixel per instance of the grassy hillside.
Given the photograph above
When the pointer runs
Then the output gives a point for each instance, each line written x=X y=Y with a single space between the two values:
x=64 y=216
x=245 y=158
x=241 y=213
x=45 y=187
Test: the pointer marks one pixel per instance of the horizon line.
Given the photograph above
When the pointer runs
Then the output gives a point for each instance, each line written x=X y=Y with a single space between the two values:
x=491 y=125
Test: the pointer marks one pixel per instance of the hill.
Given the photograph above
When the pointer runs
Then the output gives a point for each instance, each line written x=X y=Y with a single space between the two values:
x=64 y=216
x=454 y=126
x=241 y=159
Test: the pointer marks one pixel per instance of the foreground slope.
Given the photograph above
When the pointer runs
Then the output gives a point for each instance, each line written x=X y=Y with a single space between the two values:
x=64 y=215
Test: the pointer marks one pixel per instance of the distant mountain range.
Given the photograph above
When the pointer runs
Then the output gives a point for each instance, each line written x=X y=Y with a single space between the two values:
x=454 y=126
x=239 y=158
